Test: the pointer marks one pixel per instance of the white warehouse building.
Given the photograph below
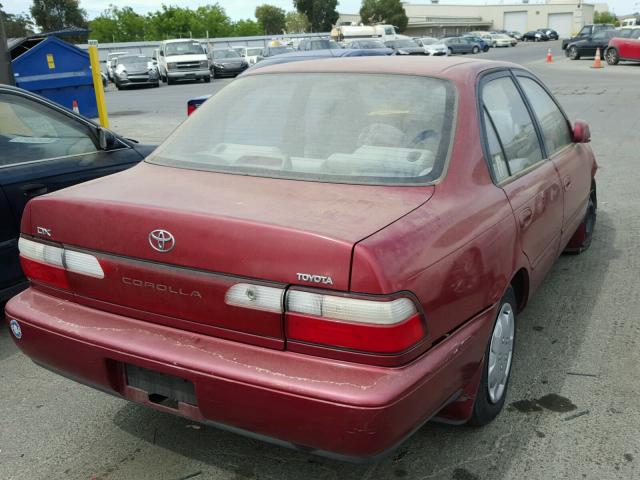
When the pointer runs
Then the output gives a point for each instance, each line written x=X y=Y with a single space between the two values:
x=441 y=19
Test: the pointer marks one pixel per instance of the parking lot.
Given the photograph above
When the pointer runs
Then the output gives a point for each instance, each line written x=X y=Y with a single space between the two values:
x=572 y=402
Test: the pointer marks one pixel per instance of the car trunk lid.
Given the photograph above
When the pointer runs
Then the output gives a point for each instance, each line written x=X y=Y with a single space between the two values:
x=225 y=228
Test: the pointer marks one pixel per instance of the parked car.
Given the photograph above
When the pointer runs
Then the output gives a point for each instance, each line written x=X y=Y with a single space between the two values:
x=624 y=48
x=227 y=62
x=550 y=33
x=369 y=44
x=276 y=50
x=515 y=34
x=534 y=36
x=182 y=59
x=135 y=70
x=226 y=285
x=307 y=44
x=461 y=45
x=482 y=43
x=586 y=32
x=405 y=46
x=251 y=54
x=501 y=40
x=43 y=148
x=433 y=46
x=112 y=58
x=587 y=47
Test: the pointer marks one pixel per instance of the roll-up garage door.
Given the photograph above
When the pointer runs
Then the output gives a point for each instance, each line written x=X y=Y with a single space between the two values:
x=561 y=23
x=515 y=21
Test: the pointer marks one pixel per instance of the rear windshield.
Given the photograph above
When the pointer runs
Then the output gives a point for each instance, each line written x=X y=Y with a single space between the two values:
x=342 y=128
x=369 y=44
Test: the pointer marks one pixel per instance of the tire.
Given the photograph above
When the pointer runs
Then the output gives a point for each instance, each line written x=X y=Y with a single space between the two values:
x=207 y=79
x=156 y=85
x=491 y=399
x=450 y=50
x=611 y=56
x=475 y=50
x=170 y=81
x=581 y=240
x=573 y=53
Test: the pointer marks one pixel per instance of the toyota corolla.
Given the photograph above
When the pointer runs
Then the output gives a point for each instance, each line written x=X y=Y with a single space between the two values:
x=327 y=254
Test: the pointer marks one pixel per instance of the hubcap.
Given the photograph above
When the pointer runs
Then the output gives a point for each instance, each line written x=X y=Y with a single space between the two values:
x=500 y=353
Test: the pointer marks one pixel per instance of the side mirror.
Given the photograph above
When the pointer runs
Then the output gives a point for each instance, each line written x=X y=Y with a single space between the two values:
x=581 y=132
x=161 y=53
x=106 y=139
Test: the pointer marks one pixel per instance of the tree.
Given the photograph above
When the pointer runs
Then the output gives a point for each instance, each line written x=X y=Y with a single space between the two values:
x=246 y=28
x=271 y=18
x=16 y=25
x=605 y=17
x=52 y=15
x=177 y=22
x=118 y=25
x=321 y=13
x=389 y=12
x=296 y=22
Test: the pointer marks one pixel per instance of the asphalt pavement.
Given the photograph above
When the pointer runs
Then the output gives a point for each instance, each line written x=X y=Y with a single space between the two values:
x=572 y=410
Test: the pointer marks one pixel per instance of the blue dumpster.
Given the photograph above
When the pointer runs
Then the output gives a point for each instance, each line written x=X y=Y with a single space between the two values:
x=56 y=70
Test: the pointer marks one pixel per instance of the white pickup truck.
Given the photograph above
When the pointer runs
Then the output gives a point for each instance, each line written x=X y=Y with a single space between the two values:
x=182 y=59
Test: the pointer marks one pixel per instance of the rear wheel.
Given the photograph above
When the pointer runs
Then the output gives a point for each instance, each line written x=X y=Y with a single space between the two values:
x=170 y=81
x=207 y=79
x=611 y=56
x=450 y=50
x=492 y=391
x=475 y=50
x=573 y=53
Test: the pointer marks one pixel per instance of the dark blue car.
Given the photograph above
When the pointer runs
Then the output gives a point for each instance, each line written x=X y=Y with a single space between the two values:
x=43 y=148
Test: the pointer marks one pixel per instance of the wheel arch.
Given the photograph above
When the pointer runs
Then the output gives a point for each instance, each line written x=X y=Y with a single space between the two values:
x=520 y=285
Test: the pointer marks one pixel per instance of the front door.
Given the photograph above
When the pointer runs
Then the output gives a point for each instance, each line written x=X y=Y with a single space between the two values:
x=568 y=157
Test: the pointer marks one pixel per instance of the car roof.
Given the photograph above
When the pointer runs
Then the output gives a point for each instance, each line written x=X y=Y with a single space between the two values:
x=453 y=68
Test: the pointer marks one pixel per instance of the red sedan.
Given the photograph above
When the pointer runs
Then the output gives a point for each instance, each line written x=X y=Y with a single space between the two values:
x=624 y=48
x=326 y=254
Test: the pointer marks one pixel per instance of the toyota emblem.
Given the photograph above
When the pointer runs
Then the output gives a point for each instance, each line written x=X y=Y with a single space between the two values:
x=161 y=240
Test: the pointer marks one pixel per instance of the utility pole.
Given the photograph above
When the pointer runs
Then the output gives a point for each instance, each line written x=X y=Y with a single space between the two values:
x=6 y=72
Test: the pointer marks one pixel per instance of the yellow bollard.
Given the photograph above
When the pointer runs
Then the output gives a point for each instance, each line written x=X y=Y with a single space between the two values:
x=97 y=85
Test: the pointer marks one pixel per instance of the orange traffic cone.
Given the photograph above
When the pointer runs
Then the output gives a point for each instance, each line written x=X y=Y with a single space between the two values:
x=75 y=107
x=597 y=63
x=549 y=56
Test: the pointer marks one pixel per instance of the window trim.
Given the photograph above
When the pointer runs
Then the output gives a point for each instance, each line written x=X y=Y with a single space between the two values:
x=524 y=74
x=487 y=77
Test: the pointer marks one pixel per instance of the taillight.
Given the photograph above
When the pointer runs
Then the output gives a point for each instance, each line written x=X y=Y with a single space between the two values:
x=374 y=326
x=191 y=108
x=49 y=263
x=380 y=325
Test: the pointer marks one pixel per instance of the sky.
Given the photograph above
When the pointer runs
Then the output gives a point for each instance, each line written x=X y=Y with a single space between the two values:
x=239 y=9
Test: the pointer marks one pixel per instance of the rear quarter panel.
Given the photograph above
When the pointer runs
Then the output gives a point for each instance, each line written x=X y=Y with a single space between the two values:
x=459 y=251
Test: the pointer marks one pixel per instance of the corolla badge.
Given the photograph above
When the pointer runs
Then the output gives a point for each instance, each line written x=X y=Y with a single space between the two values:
x=162 y=240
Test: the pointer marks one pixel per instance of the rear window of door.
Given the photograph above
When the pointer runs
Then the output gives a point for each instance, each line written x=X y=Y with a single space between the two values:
x=31 y=132
x=554 y=125
x=513 y=125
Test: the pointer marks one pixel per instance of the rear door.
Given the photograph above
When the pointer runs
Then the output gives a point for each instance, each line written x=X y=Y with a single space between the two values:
x=530 y=182
x=569 y=158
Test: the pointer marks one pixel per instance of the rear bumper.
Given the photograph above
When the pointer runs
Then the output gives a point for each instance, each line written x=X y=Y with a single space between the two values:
x=348 y=410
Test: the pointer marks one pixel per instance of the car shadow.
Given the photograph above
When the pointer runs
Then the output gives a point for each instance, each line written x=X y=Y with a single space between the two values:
x=549 y=336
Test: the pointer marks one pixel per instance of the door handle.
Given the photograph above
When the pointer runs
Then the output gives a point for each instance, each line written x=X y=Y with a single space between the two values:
x=33 y=189
x=567 y=182
x=525 y=218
